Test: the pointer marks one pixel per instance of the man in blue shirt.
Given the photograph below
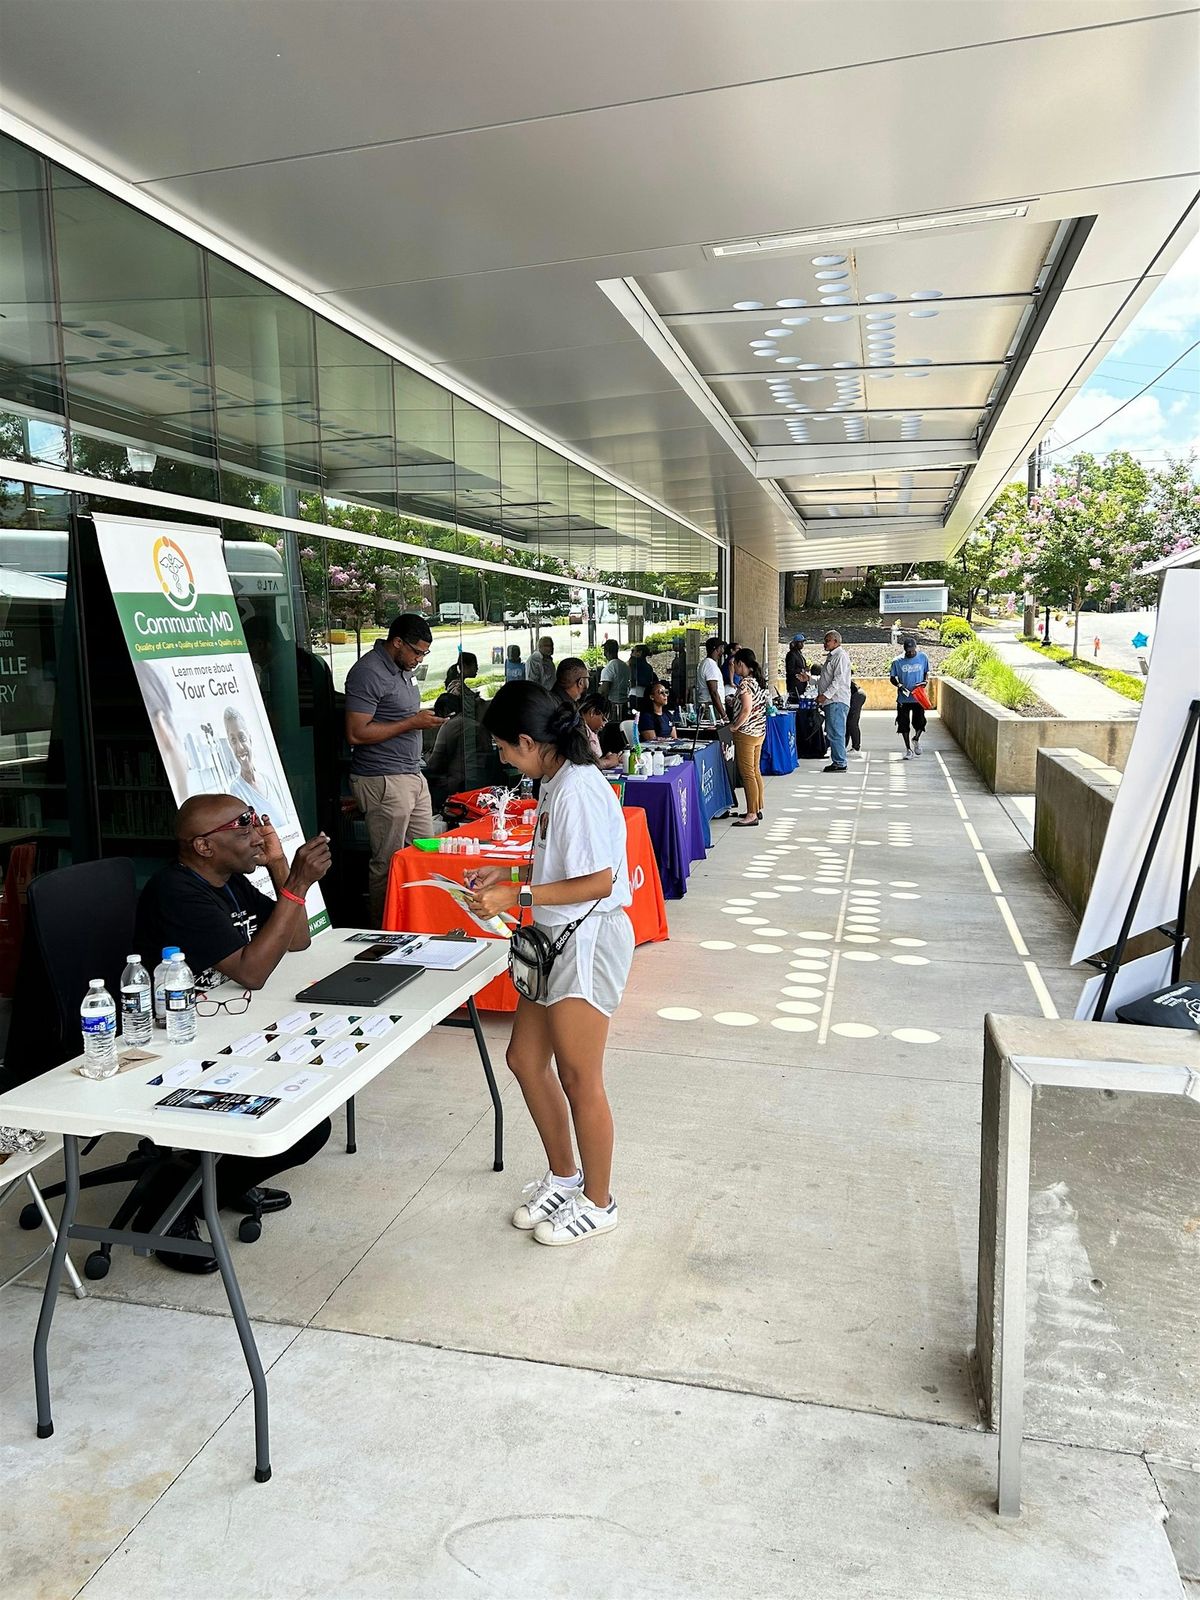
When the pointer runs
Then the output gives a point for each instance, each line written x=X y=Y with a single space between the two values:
x=910 y=671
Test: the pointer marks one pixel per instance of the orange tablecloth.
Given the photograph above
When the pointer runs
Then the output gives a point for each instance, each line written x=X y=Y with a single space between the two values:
x=416 y=909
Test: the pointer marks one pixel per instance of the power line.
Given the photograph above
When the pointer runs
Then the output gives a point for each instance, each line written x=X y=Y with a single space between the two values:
x=1060 y=448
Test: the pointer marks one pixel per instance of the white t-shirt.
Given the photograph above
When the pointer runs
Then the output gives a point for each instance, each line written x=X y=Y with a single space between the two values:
x=580 y=829
x=708 y=672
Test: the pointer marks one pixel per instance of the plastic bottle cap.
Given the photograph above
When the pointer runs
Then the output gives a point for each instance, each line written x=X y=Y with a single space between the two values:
x=134 y=957
x=95 y=983
x=170 y=950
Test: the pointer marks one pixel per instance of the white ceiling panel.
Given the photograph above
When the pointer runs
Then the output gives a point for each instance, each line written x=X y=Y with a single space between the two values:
x=460 y=178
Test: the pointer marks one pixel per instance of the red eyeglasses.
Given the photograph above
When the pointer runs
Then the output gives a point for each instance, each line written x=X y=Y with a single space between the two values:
x=247 y=819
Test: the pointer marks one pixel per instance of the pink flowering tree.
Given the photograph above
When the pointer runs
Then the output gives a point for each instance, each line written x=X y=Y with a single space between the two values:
x=1076 y=545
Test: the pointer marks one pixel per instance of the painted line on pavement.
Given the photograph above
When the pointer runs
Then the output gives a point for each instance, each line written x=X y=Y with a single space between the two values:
x=1036 y=982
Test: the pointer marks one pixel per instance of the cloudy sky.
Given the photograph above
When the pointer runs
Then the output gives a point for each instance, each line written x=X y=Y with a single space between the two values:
x=1166 y=420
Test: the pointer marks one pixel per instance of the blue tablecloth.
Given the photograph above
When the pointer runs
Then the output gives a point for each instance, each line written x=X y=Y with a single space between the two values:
x=676 y=821
x=779 y=747
x=712 y=774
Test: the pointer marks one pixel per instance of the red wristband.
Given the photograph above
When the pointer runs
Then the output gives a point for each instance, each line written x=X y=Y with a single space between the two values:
x=288 y=895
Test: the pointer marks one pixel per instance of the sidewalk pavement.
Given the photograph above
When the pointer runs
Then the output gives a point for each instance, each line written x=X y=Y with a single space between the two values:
x=1072 y=694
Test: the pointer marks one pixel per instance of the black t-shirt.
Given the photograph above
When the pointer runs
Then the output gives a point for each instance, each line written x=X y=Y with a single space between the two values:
x=660 y=722
x=208 y=924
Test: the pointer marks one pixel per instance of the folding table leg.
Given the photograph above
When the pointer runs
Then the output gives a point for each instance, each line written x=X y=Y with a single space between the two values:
x=40 y=1203
x=41 y=1372
x=216 y=1234
x=497 y=1105
x=351 y=1138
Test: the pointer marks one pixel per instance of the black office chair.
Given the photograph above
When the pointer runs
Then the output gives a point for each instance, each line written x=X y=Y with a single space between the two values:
x=79 y=926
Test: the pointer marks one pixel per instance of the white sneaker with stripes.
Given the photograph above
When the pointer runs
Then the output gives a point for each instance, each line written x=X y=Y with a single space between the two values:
x=541 y=1201
x=578 y=1219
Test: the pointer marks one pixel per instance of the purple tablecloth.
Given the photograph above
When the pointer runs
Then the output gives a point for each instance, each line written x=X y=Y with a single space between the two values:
x=676 y=821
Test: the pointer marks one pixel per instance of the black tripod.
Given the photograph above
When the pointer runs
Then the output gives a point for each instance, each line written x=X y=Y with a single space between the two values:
x=1189 y=746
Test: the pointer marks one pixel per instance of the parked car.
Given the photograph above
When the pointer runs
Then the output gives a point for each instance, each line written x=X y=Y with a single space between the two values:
x=516 y=619
x=457 y=611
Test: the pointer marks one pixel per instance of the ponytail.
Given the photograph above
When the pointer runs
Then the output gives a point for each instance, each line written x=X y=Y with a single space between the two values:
x=526 y=708
x=747 y=659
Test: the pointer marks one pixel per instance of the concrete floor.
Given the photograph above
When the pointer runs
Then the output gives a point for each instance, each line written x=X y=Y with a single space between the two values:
x=759 y=1384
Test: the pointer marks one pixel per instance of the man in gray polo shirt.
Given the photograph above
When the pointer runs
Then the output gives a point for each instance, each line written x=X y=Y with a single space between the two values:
x=384 y=722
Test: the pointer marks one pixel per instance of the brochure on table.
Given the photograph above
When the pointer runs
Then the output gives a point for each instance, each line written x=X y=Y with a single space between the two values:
x=184 y=634
x=298 y=1052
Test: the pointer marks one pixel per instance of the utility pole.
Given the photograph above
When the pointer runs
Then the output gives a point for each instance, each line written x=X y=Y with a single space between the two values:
x=1033 y=483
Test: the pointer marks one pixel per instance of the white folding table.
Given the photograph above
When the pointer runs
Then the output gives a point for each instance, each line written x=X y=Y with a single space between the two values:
x=63 y=1102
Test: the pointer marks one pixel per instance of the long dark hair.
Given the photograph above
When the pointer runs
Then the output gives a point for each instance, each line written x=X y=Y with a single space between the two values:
x=527 y=708
x=746 y=658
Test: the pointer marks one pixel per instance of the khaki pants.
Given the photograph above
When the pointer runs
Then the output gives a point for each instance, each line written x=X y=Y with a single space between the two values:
x=398 y=810
x=747 y=748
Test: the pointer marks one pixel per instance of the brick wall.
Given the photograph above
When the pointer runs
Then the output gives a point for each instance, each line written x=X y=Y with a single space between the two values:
x=756 y=603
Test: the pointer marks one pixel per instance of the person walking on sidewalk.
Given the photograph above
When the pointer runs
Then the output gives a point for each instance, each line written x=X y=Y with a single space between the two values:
x=909 y=672
x=833 y=695
x=749 y=728
x=576 y=889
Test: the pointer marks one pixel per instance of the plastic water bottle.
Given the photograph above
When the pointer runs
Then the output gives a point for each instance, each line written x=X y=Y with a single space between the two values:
x=179 y=995
x=160 y=973
x=137 y=1007
x=98 y=1018
x=525 y=792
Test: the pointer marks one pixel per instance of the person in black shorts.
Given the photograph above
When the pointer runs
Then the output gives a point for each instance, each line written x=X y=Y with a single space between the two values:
x=853 y=724
x=232 y=936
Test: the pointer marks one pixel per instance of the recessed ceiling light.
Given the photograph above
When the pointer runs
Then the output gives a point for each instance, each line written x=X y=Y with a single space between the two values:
x=828 y=261
x=922 y=313
x=836 y=300
x=786 y=305
x=832 y=273
x=786 y=361
x=760 y=344
x=794 y=322
x=844 y=363
x=926 y=294
x=919 y=374
x=885 y=374
x=884 y=295
x=920 y=361
x=768 y=350
x=777 y=333
x=748 y=305
x=810 y=377
x=843 y=317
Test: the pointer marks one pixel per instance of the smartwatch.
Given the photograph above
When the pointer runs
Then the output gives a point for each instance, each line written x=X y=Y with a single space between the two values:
x=525 y=897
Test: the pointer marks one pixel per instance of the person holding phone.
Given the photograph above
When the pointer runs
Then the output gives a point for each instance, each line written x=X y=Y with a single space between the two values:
x=577 y=871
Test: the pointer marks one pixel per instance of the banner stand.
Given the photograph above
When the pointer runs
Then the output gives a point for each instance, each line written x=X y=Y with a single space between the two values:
x=1189 y=744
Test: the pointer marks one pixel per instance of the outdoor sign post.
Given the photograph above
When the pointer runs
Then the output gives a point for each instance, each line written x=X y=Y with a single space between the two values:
x=184 y=634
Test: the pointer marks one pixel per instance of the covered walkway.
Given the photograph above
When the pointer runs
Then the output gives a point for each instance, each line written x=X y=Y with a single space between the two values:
x=758 y=1385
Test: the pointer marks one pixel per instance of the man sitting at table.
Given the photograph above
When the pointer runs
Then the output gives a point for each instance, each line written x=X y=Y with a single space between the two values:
x=654 y=720
x=233 y=937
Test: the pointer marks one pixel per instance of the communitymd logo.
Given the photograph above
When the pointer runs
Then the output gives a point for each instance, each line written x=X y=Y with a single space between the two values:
x=174 y=574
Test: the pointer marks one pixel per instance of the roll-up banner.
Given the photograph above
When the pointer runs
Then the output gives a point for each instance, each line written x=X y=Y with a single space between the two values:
x=184 y=634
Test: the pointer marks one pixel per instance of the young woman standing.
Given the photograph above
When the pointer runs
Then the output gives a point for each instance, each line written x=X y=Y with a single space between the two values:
x=749 y=729
x=577 y=871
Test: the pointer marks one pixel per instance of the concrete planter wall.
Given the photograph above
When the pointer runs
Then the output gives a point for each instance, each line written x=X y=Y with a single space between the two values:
x=1002 y=746
x=881 y=692
x=1075 y=797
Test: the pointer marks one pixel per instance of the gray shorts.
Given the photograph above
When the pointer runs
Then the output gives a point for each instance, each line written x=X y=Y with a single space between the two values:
x=594 y=964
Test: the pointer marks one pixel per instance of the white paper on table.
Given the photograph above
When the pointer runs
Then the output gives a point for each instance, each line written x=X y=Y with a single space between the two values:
x=294 y=1021
x=248 y=1045
x=331 y=1027
x=230 y=1077
x=340 y=1054
x=182 y=1072
x=377 y=1027
x=299 y=1084
x=438 y=955
x=297 y=1049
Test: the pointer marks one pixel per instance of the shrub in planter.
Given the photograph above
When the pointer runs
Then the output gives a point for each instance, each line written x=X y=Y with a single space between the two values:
x=976 y=663
x=954 y=630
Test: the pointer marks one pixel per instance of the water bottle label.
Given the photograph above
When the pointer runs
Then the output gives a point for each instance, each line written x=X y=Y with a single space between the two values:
x=179 y=999
x=135 y=1003
x=96 y=1024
